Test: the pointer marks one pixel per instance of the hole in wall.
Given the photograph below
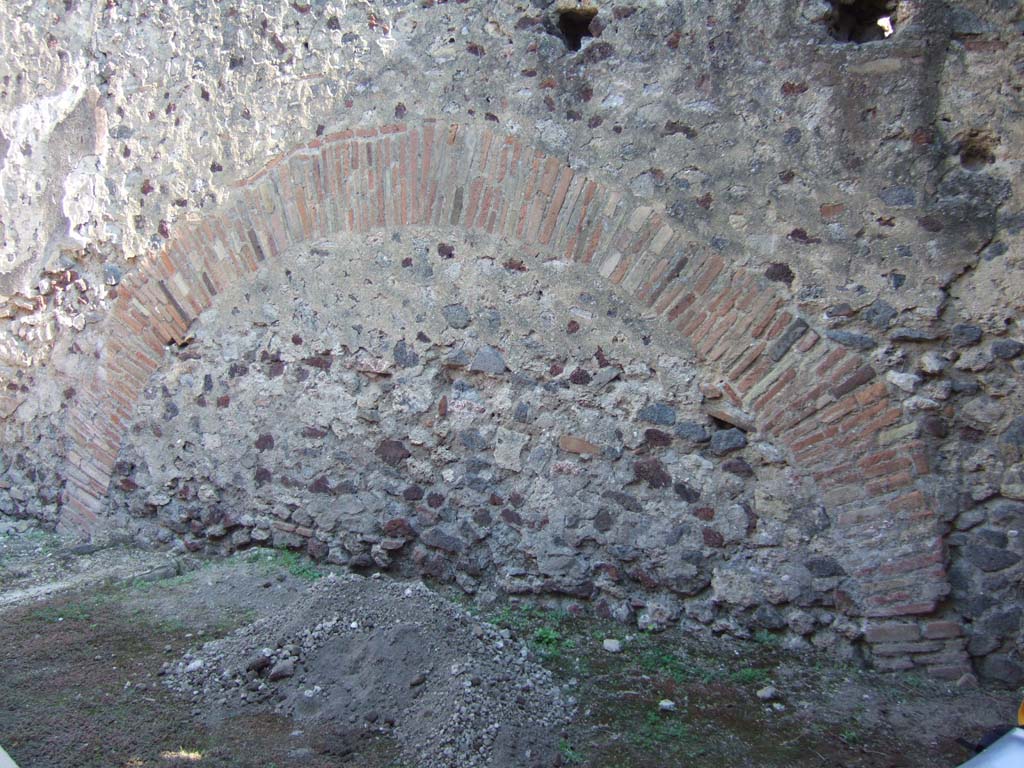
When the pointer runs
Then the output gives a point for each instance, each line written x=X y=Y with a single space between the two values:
x=574 y=25
x=975 y=148
x=862 y=21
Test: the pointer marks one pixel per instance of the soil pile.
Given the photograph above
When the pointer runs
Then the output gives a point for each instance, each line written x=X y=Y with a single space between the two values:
x=374 y=657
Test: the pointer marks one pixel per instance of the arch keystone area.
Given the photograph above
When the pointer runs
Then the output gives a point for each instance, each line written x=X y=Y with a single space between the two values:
x=820 y=400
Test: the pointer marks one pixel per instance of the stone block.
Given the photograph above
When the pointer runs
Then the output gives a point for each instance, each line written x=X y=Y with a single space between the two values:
x=892 y=632
x=937 y=630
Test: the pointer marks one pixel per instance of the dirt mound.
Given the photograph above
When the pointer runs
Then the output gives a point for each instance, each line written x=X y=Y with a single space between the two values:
x=370 y=656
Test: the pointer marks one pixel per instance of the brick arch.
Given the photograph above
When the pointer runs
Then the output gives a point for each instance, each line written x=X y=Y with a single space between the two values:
x=820 y=400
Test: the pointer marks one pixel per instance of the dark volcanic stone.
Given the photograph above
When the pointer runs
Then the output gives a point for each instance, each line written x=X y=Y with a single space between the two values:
x=1002 y=623
x=317 y=550
x=853 y=340
x=898 y=197
x=691 y=430
x=1014 y=434
x=392 y=452
x=914 y=334
x=726 y=440
x=707 y=514
x=258 y=663
x=780 y=273
x=686 y=493
x=652 y=472
x=580 y=376
x=824 y=567
x=521 y=413
x=1007 y=349
x=964 y=335
x=713 y=538
x=933 y=425
x=1002 y=668
x=457 y=316
x=322 y=362
x=658 y=413
x=362 y=560
x=879 y=314
x=284 y=668
x=405 y=356
x=321 y=485
x=438 y=539
x=990 y=558
x=624 y=500
x=488 y=360
x=473 y=440
x=656 y=438
x=768 y=617
x=399 y=528
x=789 y=337
x=738 y=466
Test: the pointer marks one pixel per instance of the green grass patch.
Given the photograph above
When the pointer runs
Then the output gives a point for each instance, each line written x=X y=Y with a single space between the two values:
x=659 y=732
x=295 y=563
x=850 y=736
x=77 y=611
x=660 y=662
x=767 y=639
x=749 y=676
x=570 y=755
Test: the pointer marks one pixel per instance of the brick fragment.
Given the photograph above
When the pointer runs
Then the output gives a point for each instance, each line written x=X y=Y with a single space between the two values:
x=572 y=444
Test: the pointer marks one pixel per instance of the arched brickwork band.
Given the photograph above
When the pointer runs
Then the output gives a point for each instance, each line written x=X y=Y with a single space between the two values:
x=822 y=401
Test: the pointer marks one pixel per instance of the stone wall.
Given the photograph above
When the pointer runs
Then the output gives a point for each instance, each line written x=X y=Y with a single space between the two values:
x=828 y=233
x=504 y=422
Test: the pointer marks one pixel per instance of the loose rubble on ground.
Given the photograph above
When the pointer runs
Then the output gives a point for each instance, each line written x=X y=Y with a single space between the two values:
x=374 y=657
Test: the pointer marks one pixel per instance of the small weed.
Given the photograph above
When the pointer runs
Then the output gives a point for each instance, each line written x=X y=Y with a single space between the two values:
x=147 y=585
x=570 y=756
x=749 y=676
x=46 y=540
x=550 y=643
x=658 y=732
x=549 y=632
x=171 y=626
x=466 y=602
x=851 y=736
x=296 y=564
x=767 y=639
x=914 y=681
x=70 y=612
x=655 y=661
x=546 y=637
